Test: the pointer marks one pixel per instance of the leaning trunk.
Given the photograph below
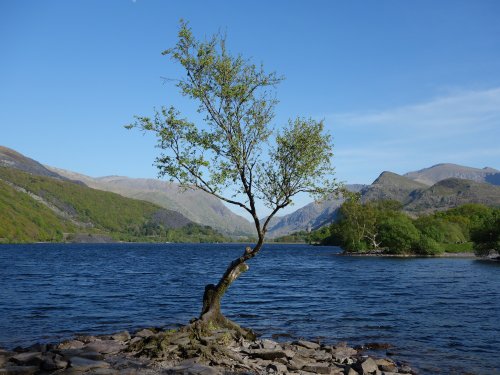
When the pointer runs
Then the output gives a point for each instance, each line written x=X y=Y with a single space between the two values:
x=211 y=311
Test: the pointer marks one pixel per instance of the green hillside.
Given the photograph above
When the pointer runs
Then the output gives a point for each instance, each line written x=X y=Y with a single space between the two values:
x=454 y=192
x=22 y=219
x=39 y=208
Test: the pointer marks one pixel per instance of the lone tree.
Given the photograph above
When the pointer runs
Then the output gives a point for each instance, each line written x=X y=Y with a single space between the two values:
x=235 y=154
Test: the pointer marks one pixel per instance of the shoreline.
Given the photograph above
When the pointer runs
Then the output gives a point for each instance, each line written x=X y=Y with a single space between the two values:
x=219 y=351
x=385 y=255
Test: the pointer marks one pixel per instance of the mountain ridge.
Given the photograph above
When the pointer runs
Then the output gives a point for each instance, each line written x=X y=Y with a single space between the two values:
x=42 y=208
x=196 y=205
x=441 y=171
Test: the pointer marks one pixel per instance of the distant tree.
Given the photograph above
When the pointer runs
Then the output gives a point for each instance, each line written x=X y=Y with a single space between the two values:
x=358 y=227
x=235 y=154
x=398 y=234
x=487 y=237
x=440 y=229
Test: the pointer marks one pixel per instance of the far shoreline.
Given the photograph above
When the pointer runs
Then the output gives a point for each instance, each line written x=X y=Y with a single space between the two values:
x=386 y=255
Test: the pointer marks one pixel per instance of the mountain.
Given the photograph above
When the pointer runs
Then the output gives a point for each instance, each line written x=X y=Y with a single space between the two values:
x=416 y=197
x=41 y=208
x=439 y=172
x=196 y=205
x=391 y=186
x=13 y=159
x=311 y=216
x=453 y=192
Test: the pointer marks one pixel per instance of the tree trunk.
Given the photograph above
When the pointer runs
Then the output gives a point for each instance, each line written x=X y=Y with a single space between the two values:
x=211 y=311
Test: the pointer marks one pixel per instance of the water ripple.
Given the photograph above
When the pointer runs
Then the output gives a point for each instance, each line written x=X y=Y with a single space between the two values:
x=440 y=314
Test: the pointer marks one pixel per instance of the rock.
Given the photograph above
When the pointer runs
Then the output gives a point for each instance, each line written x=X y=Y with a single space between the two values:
x=268 y=344
x=83 y=353
x=318 y=368
x=105 y=371
x=322 y=356
x=297 y=363
x=19 y=370
x=52 y=362
x=352 y=372
x=386 y=365
x=369 y=366
x=86 y=339
x=277 y=368
x=342 y=354
x=28 y=359
x=131 y=371
x=84 y=364
x=143 y=333
x=39 y=347
x=195 y=369
x=307 y=344
x=405 y=369
x=182 y=341
x=270 y=355
x=135 y=340
x=71 y=344
x=106 y=346
x=305 y=352
x=4 y=356
x=121 y=336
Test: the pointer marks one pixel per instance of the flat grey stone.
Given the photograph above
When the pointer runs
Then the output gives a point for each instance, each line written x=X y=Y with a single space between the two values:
x=71 y=344
x=341 y=354
x=52 y=362
x=144 y=333
x=84 y=364
x=369 y=366
x=129 y=371
x=278 y=368
x=322 y=356
x=268 y=344
x=105 y=346
x=83 y=353
x=4 y=356
x=121 y=336
x=28 y=359
x=307 y=344
x=297 y=363
x=267 y=354
x=105 y=371
x=318 y=368
x=182 y=341
x=194 y=369
x=386 y=365
x=18 y=370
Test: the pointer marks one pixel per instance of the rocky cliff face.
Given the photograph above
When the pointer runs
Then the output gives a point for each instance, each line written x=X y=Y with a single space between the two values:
x=13 y=159
x=309 y=217
x=439 y=172
x=391 y=186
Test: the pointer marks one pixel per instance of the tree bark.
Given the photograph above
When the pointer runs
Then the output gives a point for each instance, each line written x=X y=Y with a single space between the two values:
x=211 y=311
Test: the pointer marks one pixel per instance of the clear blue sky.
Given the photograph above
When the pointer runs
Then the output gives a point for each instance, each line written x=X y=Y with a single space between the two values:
x=401 y=85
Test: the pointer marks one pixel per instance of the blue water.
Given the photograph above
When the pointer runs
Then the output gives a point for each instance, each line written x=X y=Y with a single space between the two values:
x=441 y=315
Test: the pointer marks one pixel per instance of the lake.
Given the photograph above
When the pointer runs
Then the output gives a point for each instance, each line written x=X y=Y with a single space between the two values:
x=441 y=315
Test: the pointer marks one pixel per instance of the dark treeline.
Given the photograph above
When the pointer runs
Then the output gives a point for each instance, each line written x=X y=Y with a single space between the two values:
x=382 y=226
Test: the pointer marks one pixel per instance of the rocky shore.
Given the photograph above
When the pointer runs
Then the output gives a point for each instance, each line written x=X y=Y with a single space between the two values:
x=151 y=351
